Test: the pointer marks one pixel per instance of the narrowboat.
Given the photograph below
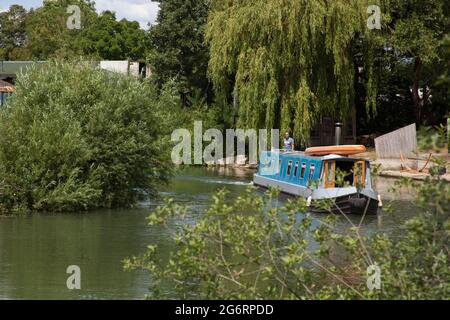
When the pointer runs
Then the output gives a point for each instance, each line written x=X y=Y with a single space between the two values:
x=312 y=175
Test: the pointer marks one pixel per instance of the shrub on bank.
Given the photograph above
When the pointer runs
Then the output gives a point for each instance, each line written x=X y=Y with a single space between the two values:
x=74 y=137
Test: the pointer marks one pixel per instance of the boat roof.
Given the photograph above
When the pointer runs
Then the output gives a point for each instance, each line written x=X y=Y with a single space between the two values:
x=327 y=157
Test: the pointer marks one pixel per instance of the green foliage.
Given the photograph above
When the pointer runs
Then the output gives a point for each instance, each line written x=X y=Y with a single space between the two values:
x=209 y=115
x=76 y=138
x=47 y=32
x=12 y=32
x=416 y=32
x=255 y=248
x=42 y=34
x=444 y=77
x=110 y=39
x=418 y=37
x=178 y=50
x=291 y=62
x=432 y=138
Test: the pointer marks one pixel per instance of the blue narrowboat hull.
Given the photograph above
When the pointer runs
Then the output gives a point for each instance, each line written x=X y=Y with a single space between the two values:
x=346 y=201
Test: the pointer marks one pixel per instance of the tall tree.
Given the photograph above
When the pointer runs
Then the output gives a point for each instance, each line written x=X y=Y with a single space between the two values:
x=417 y=32
x=444 y=76
x=178 y=48
x=110 y=39
x=289 y=61
x=43 y=33
x=47 y=31
x=12 y=32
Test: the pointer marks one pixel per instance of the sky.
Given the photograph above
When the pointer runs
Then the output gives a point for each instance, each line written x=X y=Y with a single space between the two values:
x=143 y=11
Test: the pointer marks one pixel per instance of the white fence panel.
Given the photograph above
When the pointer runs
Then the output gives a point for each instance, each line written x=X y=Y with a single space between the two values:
x=394 y=144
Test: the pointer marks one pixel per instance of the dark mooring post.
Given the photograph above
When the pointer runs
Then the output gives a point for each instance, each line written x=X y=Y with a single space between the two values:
x=338 y=133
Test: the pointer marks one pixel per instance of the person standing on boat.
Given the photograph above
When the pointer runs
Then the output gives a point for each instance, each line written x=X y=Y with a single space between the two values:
x=288 y=142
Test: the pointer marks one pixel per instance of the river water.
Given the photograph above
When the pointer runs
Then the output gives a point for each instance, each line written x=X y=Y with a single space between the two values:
x=35 y=250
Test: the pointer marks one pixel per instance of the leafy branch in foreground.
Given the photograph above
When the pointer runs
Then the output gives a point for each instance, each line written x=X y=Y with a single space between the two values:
x=255 y=248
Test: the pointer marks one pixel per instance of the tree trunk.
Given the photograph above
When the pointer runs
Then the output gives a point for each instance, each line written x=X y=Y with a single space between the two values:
x=415 y=90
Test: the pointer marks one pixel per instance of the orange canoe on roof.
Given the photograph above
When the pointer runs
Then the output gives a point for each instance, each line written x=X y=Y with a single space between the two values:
x=343 y=150
x=6 y=87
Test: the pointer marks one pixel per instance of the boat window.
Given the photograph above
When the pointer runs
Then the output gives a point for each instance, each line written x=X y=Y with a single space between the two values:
x=312 y=168
x=368 y=181
x=359 y=174
x=289 y=168
x=302 y=171
x=296 y=169
x=330 y=171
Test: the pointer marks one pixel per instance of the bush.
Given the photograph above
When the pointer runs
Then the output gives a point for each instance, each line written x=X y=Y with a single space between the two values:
x=74 y=137
x=253 y=248
x=432 y=138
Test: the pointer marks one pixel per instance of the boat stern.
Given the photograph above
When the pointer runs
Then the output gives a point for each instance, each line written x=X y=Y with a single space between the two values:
x=345 y=200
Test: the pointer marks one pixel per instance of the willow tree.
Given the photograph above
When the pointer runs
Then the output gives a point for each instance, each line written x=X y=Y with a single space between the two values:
x=290 y=61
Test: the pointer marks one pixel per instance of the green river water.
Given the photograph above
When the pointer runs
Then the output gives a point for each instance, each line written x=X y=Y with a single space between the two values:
x=35 y=250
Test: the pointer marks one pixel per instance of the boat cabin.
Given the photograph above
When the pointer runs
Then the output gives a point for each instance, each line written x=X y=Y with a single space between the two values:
x=303 y=170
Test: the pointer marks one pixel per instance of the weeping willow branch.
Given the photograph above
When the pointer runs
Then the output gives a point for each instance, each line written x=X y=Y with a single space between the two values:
x=290 y=60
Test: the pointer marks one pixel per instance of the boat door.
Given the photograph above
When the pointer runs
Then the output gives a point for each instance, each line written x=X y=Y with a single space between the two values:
x=330 y=174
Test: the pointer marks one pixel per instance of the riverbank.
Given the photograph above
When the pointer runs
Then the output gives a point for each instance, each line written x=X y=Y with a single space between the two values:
x=390 y=168
x=413 y=175
x=414 y=168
